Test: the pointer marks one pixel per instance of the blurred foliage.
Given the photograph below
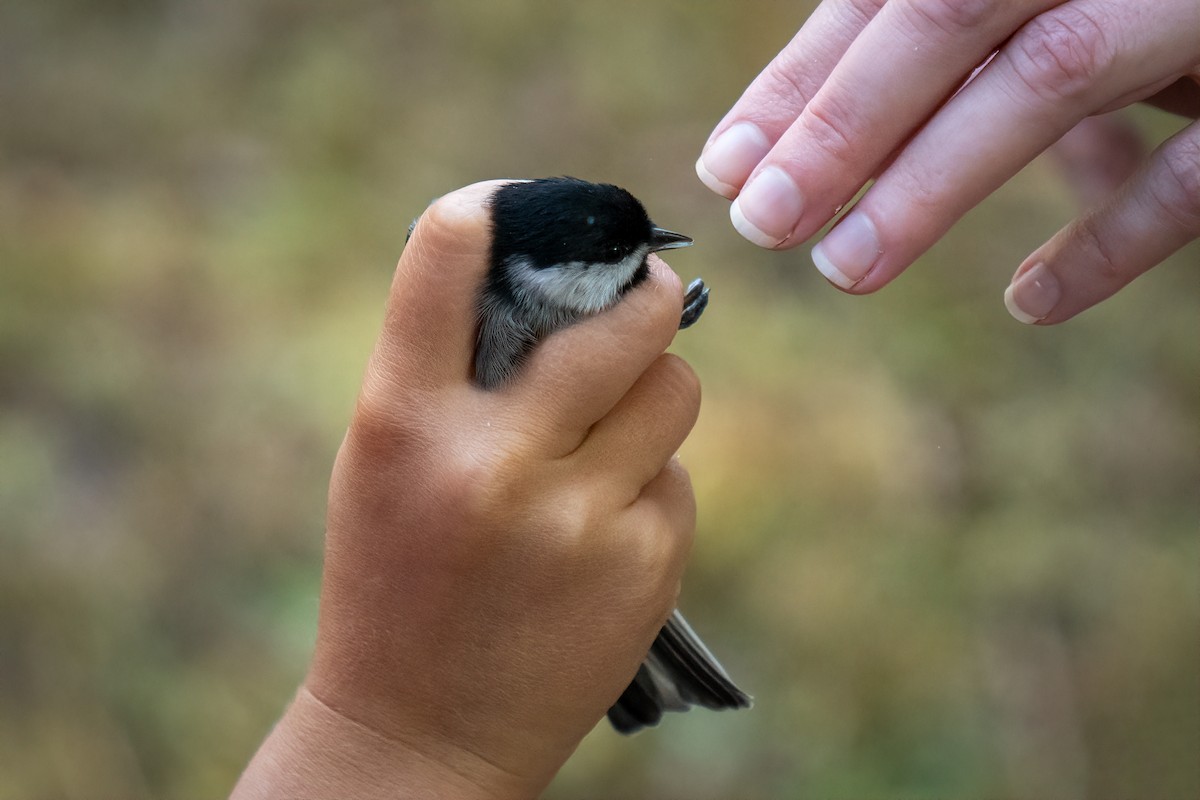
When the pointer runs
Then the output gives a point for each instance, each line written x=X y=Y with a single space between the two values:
x=950 y=555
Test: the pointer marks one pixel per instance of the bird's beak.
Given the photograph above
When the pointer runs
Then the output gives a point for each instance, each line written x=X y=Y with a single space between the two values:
x=662 y=239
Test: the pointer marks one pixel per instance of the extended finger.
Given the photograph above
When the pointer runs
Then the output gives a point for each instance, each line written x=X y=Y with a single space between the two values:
x=863 y=113
x=776 y=97
x=1155 y=213
x=1060 y=67
x=645 y=429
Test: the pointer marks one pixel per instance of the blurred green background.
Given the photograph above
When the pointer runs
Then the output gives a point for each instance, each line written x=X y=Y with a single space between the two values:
x=950 y=555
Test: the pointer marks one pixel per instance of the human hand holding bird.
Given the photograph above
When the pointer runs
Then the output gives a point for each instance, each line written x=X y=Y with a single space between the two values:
x=499 y=561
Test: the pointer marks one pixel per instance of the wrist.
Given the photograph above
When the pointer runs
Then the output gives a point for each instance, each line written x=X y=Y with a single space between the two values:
x=315 y=752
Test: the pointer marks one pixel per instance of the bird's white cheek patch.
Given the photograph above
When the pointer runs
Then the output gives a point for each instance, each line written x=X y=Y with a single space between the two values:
x=573 y=286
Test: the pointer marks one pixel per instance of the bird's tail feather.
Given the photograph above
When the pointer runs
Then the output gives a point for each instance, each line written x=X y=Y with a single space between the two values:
x=679 y=672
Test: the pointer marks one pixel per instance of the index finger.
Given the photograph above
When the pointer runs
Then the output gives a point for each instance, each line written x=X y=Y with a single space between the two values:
x=781 y=91
x=862 y=113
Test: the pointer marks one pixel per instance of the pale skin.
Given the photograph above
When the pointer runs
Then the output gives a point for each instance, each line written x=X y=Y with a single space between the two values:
x=497 y=563
x=874 y=89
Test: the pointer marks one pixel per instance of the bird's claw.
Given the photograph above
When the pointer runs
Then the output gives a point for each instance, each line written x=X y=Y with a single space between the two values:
x=695 y=300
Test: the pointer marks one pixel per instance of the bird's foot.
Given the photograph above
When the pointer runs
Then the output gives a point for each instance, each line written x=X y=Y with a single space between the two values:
x=694 y=303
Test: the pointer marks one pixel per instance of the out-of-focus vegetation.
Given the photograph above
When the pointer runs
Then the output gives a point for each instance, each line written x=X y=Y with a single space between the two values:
x=951 y=556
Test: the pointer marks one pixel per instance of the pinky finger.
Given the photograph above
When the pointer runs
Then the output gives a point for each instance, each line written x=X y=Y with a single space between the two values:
x=1154 y=214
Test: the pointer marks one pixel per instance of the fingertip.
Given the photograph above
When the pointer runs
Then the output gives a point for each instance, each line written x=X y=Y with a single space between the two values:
x=666 y=277
x=715 y=184
x=830 y=270
x=1014 y=310
x=657 y=310
x=452 y=223
x=429 y=328
x=1035 y=295
x=730 y=156
x=749 y=231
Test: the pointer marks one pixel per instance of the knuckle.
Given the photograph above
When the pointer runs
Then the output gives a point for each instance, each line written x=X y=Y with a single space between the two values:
x=848 y=20
x=788 y=80
x=1061 y=54
x=1104 y=264
x=925 y=191
x=952 y=17
x=828 y=123
x=678 y=514
x=380 y=429
x=1178 y=193
x=574 y=510
x=489 y=487
x=686 y=520
x=651 y=549
x=576 y=524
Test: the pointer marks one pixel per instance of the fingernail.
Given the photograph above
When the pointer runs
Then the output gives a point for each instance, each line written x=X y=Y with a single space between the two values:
x=768 y=208
x=1032 y=295
x=848 y=252
x=728 y=161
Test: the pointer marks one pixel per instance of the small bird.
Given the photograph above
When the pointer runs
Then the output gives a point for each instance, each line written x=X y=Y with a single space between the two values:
x=564 y=249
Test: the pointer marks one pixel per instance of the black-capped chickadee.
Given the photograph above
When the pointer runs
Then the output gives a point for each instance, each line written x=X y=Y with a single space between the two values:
x=563 y=249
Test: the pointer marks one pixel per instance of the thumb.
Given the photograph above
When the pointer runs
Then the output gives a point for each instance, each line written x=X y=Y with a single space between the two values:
x=429 y=328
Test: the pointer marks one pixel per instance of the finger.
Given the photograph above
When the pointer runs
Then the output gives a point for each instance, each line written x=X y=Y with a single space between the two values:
x=645 y=429
x=1055 y=71
x=429 y=327
x=862 y=113
x=773 y=100
x=577 y=375
x=664 y=517
x=1156 y=213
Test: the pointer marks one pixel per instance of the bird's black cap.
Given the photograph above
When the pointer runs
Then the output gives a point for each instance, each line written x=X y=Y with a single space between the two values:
x=553 y=221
